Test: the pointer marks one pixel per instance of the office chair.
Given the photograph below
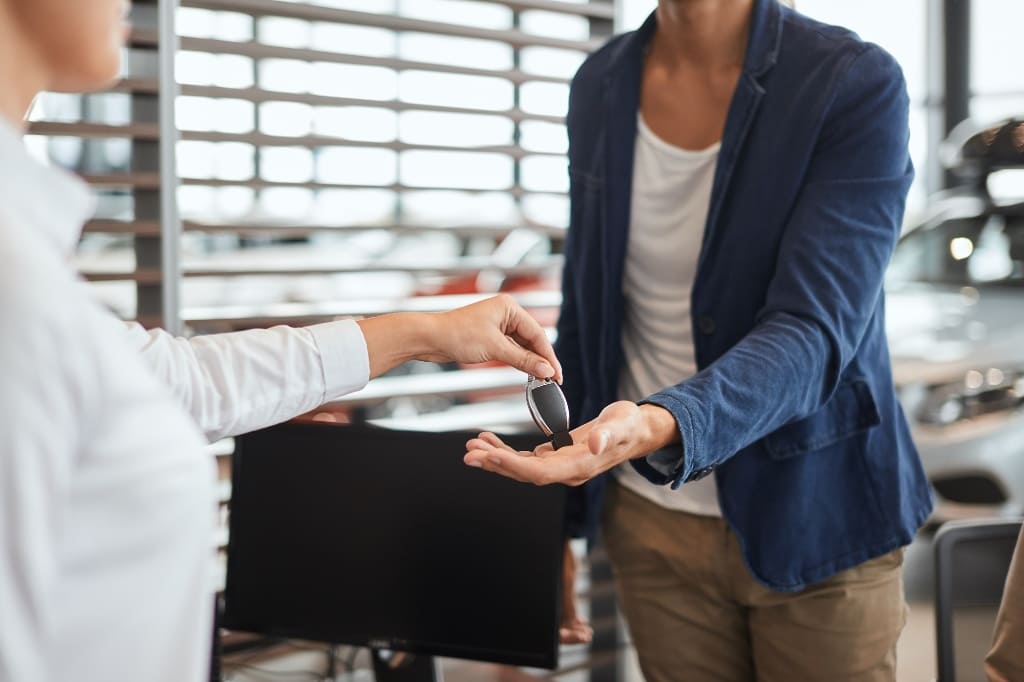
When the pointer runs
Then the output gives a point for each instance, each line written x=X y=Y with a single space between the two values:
x=971 y=562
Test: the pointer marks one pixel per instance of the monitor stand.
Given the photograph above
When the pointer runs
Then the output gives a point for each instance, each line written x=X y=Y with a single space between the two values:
x=398 y=666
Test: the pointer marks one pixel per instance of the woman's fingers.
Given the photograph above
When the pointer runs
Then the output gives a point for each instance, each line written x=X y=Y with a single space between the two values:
x=529 y=337
x=511 y=353
x=528 y=333
x=485 y=330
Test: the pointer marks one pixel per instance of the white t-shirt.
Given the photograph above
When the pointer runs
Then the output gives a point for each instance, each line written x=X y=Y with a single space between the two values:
x=107 y=501
x=671 y=195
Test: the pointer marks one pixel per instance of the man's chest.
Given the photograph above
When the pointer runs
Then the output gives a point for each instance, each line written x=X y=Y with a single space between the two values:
x=685 y=108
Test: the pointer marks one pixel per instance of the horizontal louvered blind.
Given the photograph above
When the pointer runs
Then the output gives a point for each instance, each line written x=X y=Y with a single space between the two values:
x=347 y=158
x=353 y=157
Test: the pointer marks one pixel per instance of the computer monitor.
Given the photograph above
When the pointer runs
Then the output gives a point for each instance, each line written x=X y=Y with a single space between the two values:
x=385 y=539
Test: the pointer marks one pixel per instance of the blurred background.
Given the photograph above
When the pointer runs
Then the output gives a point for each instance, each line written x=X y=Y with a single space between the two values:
x=274 y=161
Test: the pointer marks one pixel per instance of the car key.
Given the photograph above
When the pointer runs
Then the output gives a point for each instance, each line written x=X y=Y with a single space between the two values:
x=549 y=410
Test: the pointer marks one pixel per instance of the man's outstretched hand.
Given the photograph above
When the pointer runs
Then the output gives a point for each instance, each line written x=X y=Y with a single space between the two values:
x=622 y=431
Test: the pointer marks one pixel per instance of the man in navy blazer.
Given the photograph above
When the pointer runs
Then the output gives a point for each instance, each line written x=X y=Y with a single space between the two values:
x=792 y=408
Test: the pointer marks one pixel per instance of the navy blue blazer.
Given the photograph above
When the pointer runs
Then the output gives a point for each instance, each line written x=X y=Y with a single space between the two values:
x=793 y=407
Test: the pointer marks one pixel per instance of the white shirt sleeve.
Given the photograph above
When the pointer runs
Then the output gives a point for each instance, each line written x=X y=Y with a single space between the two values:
x=242 y=381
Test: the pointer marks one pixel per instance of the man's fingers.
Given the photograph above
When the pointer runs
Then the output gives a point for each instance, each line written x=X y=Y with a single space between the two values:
x=610 y=428
x=594 y=435
x=486 y=460
x=573 y=465
x=492 y=439
x=488 y=442
x=490 y=448
x=598 y=446
x=479 y=445
x=598 y=440
x=543 y=450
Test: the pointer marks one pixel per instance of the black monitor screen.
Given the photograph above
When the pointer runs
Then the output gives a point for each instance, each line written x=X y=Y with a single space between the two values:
x=372 y=537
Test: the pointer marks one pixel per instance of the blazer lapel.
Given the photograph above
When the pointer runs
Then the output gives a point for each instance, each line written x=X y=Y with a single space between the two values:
x=762 y=52
x=744 y=106
x=621 y=104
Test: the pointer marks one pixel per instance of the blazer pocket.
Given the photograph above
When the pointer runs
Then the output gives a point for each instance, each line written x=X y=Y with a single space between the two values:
x=851 y=410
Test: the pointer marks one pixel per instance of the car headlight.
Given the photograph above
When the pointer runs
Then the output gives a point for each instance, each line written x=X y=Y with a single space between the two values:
x=979 y=392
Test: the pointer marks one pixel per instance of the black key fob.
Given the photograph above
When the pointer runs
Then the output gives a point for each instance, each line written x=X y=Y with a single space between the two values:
x=549 y=410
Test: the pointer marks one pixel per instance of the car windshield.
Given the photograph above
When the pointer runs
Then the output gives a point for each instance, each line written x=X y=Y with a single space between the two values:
x=983 y=250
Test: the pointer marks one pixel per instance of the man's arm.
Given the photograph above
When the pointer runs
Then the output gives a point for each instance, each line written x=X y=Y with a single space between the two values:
x=829 y=276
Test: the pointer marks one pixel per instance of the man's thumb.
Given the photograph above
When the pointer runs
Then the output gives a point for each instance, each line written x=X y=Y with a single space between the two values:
x=599 y=440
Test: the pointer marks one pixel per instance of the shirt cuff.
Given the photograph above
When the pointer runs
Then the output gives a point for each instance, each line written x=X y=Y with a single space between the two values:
x=680 y=460
x=661 y=466
x=343 y=355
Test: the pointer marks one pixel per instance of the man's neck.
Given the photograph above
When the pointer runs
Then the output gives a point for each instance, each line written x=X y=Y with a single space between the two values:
x=707 y=34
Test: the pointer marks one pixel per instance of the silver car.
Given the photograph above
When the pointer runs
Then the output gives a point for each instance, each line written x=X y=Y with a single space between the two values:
x=955 y=320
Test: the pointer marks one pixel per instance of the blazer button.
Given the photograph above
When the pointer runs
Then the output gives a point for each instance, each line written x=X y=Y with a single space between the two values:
x=706 y=325
x=701 y=473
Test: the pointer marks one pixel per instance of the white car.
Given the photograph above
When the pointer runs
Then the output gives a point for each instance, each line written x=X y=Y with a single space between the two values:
x=955 y=321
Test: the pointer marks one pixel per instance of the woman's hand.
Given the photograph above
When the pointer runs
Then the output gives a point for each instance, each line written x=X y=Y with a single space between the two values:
x=497 y=328
x=494 y=329
x=622 y=431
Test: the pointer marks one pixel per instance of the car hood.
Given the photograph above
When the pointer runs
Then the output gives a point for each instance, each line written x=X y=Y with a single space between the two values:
x=938 y=332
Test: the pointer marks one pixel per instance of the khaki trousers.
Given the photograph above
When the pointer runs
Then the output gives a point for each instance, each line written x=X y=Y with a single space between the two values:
x=1005 y=662
x=695 y=613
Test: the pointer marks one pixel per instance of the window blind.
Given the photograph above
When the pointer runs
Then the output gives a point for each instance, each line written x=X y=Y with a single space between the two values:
x=350 y=158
